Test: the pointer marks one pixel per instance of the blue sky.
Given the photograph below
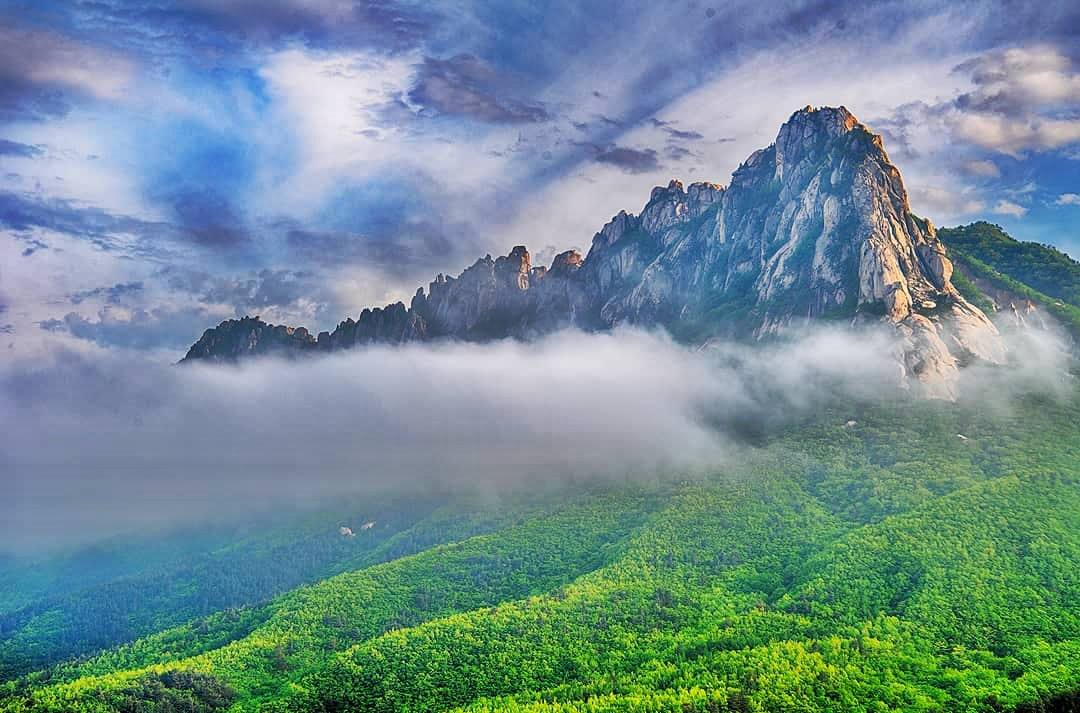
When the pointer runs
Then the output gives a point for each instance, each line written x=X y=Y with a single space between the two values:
x=165 y=165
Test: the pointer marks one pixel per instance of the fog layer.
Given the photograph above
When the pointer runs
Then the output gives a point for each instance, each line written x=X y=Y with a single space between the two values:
x=96 y=445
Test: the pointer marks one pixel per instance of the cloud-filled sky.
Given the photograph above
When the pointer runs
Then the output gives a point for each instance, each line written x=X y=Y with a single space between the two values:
x=165 y=165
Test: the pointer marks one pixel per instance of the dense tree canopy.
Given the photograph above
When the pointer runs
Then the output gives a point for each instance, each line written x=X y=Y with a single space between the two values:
x=1040 y=273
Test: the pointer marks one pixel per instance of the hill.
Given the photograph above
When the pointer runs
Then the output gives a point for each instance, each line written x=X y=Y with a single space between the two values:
x=1014 y=271
x=883 y=565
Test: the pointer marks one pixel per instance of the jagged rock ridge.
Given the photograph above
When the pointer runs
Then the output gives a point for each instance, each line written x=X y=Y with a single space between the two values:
x=815 y=226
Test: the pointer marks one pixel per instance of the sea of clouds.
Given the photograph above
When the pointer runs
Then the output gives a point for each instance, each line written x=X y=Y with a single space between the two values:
x=106 y=442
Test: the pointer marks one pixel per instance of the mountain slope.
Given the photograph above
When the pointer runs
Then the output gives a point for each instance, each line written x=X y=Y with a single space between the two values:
x=817 y=225
x=218 y=587
x=255 y=563
x=1016 y=276
x=1042 y=267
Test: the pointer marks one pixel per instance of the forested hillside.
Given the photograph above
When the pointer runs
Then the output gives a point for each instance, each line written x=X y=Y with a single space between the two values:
x=107 y=594
x=1033 y=271
x=901 y=555
x=101 y=596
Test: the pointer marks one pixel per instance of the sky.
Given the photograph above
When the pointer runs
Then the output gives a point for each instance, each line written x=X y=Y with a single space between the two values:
x=165 y=165
x=168 y=164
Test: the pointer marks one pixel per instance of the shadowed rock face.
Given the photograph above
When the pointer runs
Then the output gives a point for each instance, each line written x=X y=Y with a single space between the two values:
x=816 y=226
x=237 y=338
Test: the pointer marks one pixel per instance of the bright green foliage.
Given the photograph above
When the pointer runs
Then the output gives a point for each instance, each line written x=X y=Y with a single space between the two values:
x=1041 y=267
x=237 y=566
x=1037 y=272
x=172 y=692
x=885 y=566
x=969 y=289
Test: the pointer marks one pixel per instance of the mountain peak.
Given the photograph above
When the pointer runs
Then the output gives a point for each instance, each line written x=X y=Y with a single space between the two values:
x=811 y=124
x=815 y=226
x=815 y=132
x=835 y=119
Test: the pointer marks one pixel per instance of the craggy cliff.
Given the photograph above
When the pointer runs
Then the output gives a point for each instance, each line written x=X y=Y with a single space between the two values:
x=816 y=226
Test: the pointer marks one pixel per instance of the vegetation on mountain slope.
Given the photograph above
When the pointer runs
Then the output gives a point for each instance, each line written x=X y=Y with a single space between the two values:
x=887 y=565
x=177 y=585
x=1040 y=273
x=216 y=596
x=1041 y=267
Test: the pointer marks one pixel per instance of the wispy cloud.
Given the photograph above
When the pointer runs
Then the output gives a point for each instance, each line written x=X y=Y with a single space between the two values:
x=1007 y=207
x=24 y=212
x=42 y=71
x=139 y=329
x=984 y=168
x=14 y=148
x=464 y=85
x=113 y=294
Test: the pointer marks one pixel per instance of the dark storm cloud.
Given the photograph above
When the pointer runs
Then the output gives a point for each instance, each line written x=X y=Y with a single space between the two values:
x=202 y=218
x=677 y=153
x=21 y=101
x=32 y=244
x=113 y=294
x=628 y=159
x=413 y=250
x=196 y=302
x=5 y=327
x=464 y=85
x=14 y=148
x=400 y=224
x=21 y=97
x=247 y=293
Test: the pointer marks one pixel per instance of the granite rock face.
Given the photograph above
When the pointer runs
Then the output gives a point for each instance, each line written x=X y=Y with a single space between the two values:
x=234 y=339
x=815 y=226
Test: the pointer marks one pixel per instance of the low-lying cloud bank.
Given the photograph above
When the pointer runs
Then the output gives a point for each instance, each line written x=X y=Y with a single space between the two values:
x=103 y=444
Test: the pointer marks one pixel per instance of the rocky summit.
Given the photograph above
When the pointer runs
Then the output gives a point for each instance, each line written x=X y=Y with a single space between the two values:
x=816 y=226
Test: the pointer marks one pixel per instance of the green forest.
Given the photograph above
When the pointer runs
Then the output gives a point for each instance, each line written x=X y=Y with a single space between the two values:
x=1040 y=273
x=889 y=565
x=884 y=555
